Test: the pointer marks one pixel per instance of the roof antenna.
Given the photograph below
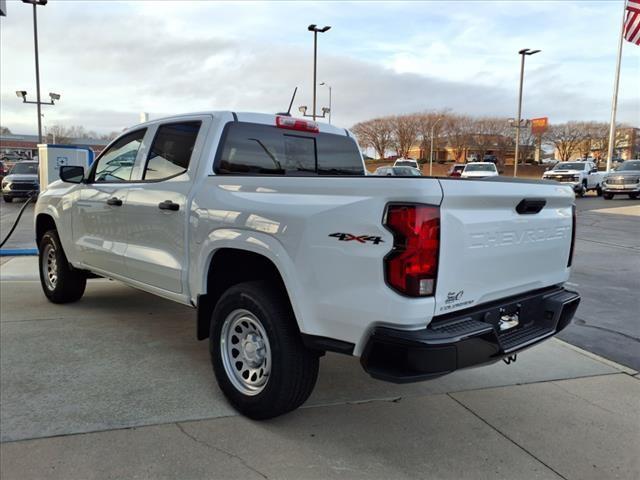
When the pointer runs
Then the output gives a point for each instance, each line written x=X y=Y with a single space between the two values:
x=288 y=113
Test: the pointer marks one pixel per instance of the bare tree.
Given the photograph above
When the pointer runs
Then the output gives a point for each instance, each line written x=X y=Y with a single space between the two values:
x=59 y=134
x=566 y=138
x=405 y=133
x=458 y=129
x=426 y=122
x=4 y=131
x=376 y=133
x=109 y=136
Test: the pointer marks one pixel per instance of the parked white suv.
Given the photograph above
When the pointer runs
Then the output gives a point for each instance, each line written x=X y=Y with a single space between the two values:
x=582 y=176
x=406 y=162
x=268 y=226
x=479 y=170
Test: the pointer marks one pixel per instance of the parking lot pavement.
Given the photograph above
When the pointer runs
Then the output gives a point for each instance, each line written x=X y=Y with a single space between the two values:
x=117 y=386
x=606 y=273
x=23 y=236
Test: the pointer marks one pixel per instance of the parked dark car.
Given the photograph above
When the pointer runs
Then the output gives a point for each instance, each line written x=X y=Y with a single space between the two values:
x=456 y=170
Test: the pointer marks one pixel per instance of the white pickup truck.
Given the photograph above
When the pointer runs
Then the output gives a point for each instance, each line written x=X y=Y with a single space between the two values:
x=269 y=227
x=582 y=176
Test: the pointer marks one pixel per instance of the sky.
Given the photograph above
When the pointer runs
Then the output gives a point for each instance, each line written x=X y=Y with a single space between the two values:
x=111 y=60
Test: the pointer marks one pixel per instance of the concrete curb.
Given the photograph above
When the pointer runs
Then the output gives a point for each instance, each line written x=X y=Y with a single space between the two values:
x=611 y=363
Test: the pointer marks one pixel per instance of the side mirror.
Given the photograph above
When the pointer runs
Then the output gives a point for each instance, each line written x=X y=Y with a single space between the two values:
x=72 y=174
x=594 y=170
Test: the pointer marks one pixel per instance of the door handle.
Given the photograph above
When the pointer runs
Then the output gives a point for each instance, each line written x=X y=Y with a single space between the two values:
x=114 y=201
x=168 y=205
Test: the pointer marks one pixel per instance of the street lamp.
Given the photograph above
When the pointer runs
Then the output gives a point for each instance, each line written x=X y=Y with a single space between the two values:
x=35 y=3
x=328 y=86
x=431 y=152
x=313 y=28
x=524 y=52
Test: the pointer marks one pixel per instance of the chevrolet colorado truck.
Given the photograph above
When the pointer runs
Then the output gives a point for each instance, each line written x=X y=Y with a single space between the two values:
x=582 y=176
x=268 y=226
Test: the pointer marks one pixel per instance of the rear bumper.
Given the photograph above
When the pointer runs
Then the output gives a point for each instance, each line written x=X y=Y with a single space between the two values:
x=467 y=338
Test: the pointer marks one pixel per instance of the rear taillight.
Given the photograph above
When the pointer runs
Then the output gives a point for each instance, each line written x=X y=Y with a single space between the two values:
x=573 y=235
x=411 y=267
x=291 y=123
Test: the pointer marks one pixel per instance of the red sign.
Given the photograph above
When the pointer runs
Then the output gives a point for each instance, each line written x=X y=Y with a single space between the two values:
x=539 y=125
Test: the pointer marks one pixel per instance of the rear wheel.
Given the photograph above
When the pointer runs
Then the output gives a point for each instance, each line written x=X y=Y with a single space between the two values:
x=257 y=354
x=61 y=283
x=607 y=196
x=599 y=190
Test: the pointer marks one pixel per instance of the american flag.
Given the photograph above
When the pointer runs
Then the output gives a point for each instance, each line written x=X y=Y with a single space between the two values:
x=632 y=22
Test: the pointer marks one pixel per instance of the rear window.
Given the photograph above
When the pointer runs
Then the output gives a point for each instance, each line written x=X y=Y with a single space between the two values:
x=251 y=148
x=475 y=167
x=405 y=163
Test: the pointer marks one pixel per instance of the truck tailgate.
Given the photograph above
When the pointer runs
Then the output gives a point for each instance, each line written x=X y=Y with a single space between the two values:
x=490 y=251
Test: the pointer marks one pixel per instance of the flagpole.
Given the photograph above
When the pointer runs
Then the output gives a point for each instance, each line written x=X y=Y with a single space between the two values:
x=614 y=101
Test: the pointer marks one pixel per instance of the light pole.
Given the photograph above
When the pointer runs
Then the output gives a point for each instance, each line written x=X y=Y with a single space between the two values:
x=522 y=53
x=53 y=96
x=329 y=86
x=431 y=151
x=35 y=3
x=313 y=28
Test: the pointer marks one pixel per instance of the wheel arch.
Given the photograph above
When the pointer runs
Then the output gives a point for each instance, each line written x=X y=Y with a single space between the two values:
x=228 y=266
x=44 y=223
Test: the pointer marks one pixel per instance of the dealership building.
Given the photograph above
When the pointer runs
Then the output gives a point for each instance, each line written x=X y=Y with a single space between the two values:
x=21 y=147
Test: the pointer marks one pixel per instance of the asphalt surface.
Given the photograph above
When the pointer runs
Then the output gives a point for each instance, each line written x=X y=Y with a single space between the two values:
x=23 y=236
x=606 y=272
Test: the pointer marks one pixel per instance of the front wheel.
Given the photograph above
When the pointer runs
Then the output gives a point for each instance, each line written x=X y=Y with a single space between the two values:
x=599 y=190
x=607 y=196
x=7 y=198
x=257 y=354
x=61 y=283
x=633 y=196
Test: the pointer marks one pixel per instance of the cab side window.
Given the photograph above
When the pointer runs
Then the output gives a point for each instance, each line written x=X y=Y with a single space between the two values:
x=171 y=150
x=116 y=163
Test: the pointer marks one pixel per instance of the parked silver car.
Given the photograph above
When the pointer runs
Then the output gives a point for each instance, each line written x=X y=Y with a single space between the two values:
x=623 y=180
x=22 y=181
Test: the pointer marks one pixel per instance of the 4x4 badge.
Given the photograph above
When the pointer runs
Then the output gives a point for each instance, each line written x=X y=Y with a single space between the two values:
x=348 y=237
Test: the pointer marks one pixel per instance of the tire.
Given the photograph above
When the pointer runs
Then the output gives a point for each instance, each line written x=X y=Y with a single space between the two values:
x=583 y=190
x=599 y=190
x=633 y=196
x=61 y=283
x=252 y=312
x=607 y=196
x=7 y=198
